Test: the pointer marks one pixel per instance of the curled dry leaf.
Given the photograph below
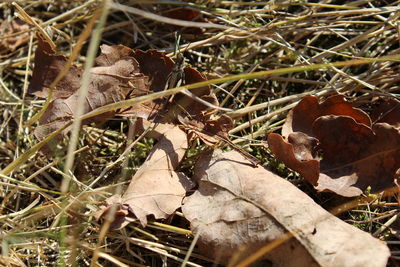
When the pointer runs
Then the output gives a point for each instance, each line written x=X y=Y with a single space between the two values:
x=188 y=106
x=297 y=154
x=355 y=155
x=119 y=73
x=108 y=84
x=182 y=109
x=239 y=209
x=156 y=188
x=303 y=115
x=368 y=157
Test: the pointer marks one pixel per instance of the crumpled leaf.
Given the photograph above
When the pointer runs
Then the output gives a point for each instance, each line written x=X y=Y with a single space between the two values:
x=368 y=157
x=298 y=153
x=108 y=84
x=303 y=115
x=156 y=188
x=121 y=73
x=354 y=156
x=183 y=110
x=16 y=33
x=157 y=66
x=47 y=66
x=239 y=209
x=186 y=105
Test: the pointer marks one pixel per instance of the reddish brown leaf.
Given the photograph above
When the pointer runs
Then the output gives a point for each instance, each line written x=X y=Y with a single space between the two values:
x=120 y=73
x=47 y=66
x=303 y=115
x=387 y=111
x=183 y=109
x=356 y=156
x=192 y=115
x=156 y=65
x=239 y=209
x=107 y=85
x=156 y=188
x=298 y=153
x=208 y=130
x=186 y=105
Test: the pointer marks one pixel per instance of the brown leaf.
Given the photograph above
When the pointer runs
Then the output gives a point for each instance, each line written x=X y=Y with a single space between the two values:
x=156 y=188
x=193 y=115
x=186 y=105
x=303 y=115
x=121 y=72
x=387 y=111
x=183 y=109
x=239 y=209
x=47 y=66
x=157 y=67
x=108 y=84
x=354 y=156
x=15 y=33
x=298 y=153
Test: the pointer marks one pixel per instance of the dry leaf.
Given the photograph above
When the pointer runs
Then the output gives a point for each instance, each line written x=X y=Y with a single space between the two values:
x=303 y=115
x=368 y=157
x=187 y=105
x=156 y=188
x=335 y=148
x=354 y=156
x=387 y=111
x=108 y=84
x=298 y=154
x=239 y=209
x=47 y=66
x=208 y=130
x=157 y=66
x=120 y=73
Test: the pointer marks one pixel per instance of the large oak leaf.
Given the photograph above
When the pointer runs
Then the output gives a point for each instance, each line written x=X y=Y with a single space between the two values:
x=239 y=209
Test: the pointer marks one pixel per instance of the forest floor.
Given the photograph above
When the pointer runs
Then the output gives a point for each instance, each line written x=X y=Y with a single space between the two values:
x=258 y=59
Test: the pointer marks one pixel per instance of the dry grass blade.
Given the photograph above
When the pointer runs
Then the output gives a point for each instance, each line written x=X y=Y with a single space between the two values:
x=166 y=20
